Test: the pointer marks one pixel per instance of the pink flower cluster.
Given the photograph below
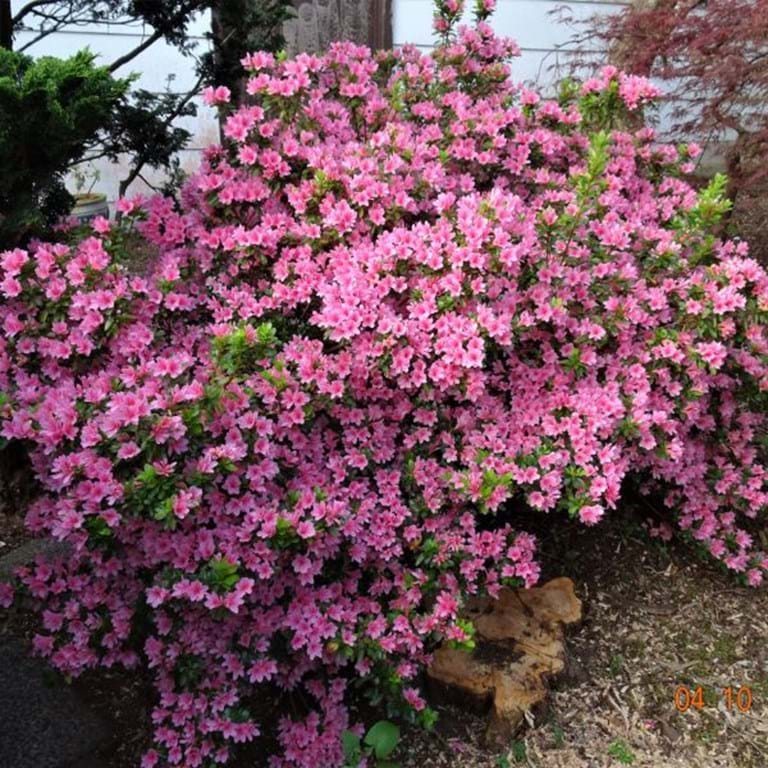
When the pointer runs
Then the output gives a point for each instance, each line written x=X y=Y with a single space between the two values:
x=633 y=90
x=404 y=292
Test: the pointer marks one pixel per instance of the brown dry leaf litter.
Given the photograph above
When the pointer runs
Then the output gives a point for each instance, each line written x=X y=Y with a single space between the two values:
x=654 y=620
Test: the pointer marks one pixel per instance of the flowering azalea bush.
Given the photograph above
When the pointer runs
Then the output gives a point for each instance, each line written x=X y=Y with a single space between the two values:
x=405 y=291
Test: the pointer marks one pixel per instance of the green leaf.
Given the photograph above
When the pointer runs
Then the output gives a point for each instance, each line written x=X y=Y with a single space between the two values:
x=519 y=751
x=428 y=717
x=350 y=743
x=148 y=475
x=620 y=750
x=383 y=738
x=224 y=573
x=97 y=528
x=266 y=334
x=164 y=509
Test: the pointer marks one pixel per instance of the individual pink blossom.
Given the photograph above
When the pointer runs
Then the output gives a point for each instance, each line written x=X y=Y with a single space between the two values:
x=591 y=514
x=214 y=96
x=7 y=593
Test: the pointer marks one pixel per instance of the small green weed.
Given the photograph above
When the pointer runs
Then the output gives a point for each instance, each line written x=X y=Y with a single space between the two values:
x=517 y=754
x=379 y=744
x=620 y=750
x=616 y=665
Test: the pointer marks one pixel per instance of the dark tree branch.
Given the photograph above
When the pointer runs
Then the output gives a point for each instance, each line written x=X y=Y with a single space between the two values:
x=37 y=39
x=27 y=9
x=89 y=158
x=58 y=21
x=131 y=55
x=182 y=14
x=140 y=162
x=6 y=25
x=152 y=186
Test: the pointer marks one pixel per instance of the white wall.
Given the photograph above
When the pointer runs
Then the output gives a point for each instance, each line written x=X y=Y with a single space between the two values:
x=153 y=67
x=531 y=23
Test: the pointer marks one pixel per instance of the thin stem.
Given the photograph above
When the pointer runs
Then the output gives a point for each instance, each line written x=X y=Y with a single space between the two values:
x=37 y=39
x=141 y=161
x=27 y=9
x=151 y=40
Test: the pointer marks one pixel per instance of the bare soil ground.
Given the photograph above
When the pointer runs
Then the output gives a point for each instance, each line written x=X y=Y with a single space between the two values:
x=655 y=619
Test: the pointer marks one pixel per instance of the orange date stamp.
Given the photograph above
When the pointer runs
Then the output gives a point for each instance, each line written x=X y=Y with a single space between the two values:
x=738 y=699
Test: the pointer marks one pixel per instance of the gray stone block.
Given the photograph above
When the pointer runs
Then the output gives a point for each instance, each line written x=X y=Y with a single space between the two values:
x=26 y=553
x=43 y=725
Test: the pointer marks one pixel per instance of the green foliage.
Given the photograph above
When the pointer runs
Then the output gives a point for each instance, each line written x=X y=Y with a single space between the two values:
x=150 y=494
x=616 y=665
x=353 y=753
x=621 y=751
x=382 y=739
x=241 y=350
x=491 y=481
x=711 y=206
x=378 y=744
x=517 y=755
x=469 y=630
x=143 y=127
x=51 y=111
x=97 y=529
x=188 y=671
x=222 y=574
x=518 y=751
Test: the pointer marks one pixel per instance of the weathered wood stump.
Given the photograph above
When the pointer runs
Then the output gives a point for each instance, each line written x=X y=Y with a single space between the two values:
x=520 y=646
x=318 y=23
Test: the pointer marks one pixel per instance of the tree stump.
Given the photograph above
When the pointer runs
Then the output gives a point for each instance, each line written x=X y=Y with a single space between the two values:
x=318 y=23
x=520 y=647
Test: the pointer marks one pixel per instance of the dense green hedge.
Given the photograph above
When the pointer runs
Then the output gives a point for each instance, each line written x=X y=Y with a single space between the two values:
x=51 y=111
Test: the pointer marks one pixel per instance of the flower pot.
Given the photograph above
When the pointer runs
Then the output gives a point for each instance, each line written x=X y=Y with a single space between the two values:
x=89 y=206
